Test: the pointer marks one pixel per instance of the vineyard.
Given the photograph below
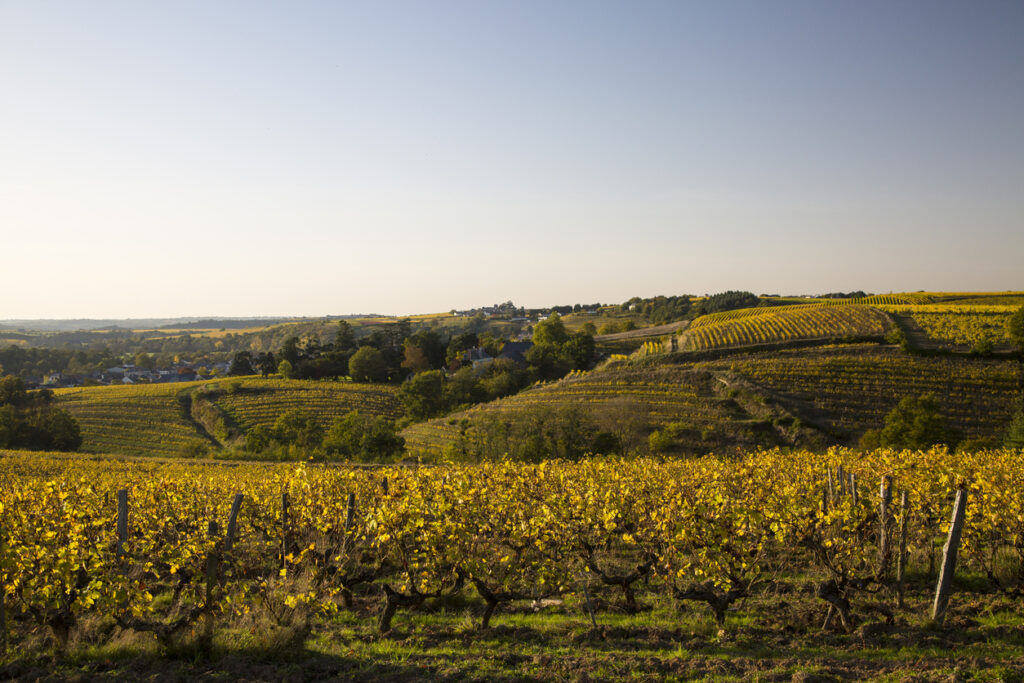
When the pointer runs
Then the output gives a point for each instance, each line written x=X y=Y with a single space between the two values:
x=261 y=401
x=133 y=419
x=754 y=326
x=884 y=300
x=849 y=389
x=154 y=420
x=962 y=323
x=179 y=553
x=623 y=397
x=746 y=400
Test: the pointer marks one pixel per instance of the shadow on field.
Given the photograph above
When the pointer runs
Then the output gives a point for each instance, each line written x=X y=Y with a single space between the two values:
x=234 y=665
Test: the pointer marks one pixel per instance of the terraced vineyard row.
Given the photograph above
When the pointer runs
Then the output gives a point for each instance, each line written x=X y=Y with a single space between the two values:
x=884 y=300
x=761 y=326
x=140 y=420
x=852 y=389
x=713 y=319
x=961 y=323
x=261 y=401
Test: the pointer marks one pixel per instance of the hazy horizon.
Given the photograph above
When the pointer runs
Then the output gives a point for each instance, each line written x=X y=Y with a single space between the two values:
x=322 y=158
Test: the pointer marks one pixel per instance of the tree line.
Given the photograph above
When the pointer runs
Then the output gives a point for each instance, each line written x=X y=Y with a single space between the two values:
x=30 y=420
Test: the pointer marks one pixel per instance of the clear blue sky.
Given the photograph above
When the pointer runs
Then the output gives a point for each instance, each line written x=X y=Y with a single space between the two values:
x=310 y=158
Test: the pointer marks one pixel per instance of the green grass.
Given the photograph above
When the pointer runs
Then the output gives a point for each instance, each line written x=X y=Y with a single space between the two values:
x=442 y=641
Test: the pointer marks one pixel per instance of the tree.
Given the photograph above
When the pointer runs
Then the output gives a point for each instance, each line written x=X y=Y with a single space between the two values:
x=363 y=437
x=415 y=360
x=548 y=361
x=1016 y=328
x=1015 y=433
x=429 y=342
x=12 y=392
x=290 y=351
x=144 y=360
x=580 y=348
x=298 y=427
x=266 y=363
x=367 y=365
x=459 y=344
x=463 y=387
x=727 y=301
x=285 y=369
x=551 y=331
x=345 y=339
x=30 y=420
x=423 y=395
x=916 y=423
x=241 y=364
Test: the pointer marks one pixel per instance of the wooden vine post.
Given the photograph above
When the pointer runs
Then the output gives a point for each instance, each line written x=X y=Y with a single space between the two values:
x=885 y=499
x=284 y=530
x=949 y=553
x=3 y=596
x=211 y=580
x=211 y=565
x=122 y=520
x=901 y=559
x=350 y=511
x=236 y=505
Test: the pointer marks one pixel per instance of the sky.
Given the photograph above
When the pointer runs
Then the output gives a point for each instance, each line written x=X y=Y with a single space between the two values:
x=245 y=158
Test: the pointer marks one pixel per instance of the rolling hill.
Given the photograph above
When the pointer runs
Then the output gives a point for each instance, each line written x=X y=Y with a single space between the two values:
x=164 y=419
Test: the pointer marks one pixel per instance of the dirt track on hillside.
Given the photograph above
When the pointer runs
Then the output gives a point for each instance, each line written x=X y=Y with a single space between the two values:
x=645 y=332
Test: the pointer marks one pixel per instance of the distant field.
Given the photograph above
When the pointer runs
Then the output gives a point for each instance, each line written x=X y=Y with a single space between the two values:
x=753 y=326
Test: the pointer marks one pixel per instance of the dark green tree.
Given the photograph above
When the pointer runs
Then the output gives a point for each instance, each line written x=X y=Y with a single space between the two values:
x=345 y=339
x=30 y=420
x=1015 y=433
x=458 y=345
x=298 y=427
x=365 y=438
x=551 y=331
x=367 y=365
x=290 y=351
x=548 y=361
x=580 y=348
x=266 y=363
x=916 y=423
x=423 y=395
x=241 y=364
x=463 y=388
x=1016 y=328
x=429 y=342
